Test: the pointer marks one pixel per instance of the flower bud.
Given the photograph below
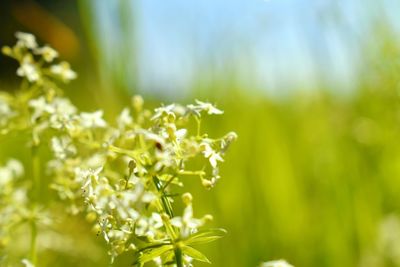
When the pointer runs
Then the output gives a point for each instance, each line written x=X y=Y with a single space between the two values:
x=187 y=198
x=132 y=165
x=132 y=247
x=164 y=217
x=137 y=103
x=207 y=183
x=6 y=50
x=91 y=217
x=96 y=229
x=231 y=136
x=171 y=117
x=208 y=218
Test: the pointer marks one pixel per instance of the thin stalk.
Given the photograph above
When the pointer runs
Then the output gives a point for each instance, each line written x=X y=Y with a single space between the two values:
x=198 y=122
x=36 y=195
x=36 y=172
x=166 y=207
x=178 y=257
x=33 y=250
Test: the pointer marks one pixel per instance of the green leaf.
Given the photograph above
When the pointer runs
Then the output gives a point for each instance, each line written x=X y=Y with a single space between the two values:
x=154 y=245
x=195 y=254
x=151 y=254
x=168 y=258
x=206 y=236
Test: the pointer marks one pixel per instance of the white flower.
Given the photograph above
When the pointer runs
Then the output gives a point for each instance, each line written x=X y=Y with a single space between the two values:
x=124 y=118
x=209 y=153
x=62 y=147
x=64 y=106
x=5 y=109
x=29 y=70
x=156 y=220
x=64 y=71
x=158 y=262
x=5 y=112
x=15 y=167
x=187 y=223
x=93 y=120
x=48 y=53
x=40 y=107
x=90 y=179
x=163 y=111
x=203 y=106
x=26 y=40
x=153 y=224
x=63 y=115
x=208 y=107
x=278 y=263
x=180 y=134
x=214 y=158
x=19 y=195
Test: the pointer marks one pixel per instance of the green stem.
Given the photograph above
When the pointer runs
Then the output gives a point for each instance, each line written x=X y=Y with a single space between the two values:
x=36 y=172
x=178 y=257
x=33 y=252
x=166 y=207
x=198 y=121
x=36 y=195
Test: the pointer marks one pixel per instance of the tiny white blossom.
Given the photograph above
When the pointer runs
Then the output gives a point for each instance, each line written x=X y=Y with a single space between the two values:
x=26 y=40
x=90 y=178
x=162 y=111
x=64 y=105
x=63 y=115
x=12 y=170
x=48 y=53
x=64 y=71
x=29 y=70
x=124 y=118
x=5 y=109
x=40 y=107
x=212 y=156
x=158 y=262
x=187 y=223
x=93 y=119
x=62 y=147
x=208 y=107
x=15 y=167
x=5 y=112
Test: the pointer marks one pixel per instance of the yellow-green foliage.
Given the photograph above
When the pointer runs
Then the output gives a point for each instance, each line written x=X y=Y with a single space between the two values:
x=314 y=178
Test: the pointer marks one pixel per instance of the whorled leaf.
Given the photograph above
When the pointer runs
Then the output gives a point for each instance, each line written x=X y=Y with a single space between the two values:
x=205 y=236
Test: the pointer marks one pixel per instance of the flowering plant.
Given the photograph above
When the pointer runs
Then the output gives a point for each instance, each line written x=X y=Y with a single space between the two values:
x=126 y=176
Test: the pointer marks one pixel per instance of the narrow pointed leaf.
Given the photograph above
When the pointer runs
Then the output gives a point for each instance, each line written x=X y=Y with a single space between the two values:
x=152 y=254
x=205 y=236
x=195 y=254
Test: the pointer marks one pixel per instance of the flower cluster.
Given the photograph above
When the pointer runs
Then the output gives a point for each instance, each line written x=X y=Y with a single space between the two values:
x=13 y=201
x=36 y=63
x=126 y=175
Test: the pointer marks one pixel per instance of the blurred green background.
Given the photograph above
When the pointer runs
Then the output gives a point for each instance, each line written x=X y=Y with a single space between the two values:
x=311 y=88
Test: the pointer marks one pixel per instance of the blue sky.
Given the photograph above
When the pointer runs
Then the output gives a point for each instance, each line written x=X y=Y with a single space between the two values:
x=275 y=45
